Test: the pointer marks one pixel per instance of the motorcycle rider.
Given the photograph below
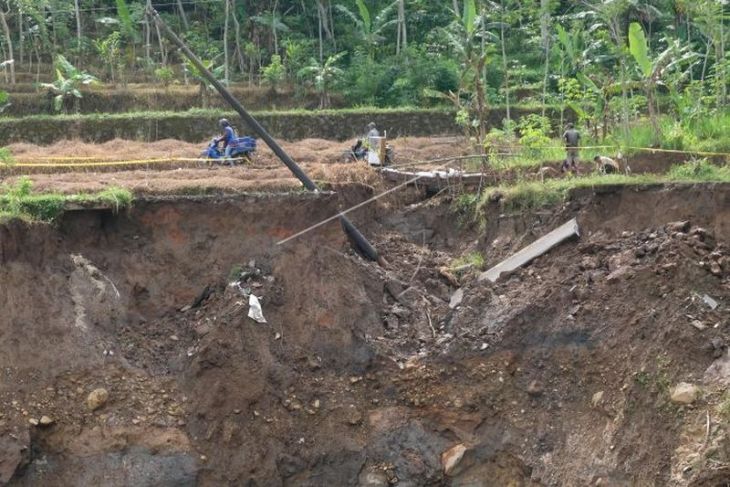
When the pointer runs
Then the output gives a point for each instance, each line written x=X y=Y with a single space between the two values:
x=228 y=138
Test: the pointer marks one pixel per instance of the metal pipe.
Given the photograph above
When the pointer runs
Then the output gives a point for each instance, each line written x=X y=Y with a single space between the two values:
x=357 y=238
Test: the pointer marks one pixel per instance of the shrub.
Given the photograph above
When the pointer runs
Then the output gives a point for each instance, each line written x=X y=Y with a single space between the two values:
x=165 y=75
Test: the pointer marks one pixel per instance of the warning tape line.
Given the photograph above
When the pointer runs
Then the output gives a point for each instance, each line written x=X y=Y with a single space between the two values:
x=101 y=163
x=168 y=160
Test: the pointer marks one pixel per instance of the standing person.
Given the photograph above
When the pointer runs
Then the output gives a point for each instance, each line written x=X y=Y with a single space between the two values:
x=571 y=137
x=373 y=135
x=373 y=145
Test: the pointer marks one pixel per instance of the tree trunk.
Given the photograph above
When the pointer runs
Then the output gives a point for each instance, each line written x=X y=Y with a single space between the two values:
x=239 y=51
x=653 y=117
x=481 y=101
x=225 y=44
x=721 y=62
x=332 y=25
x=21 y=53
x=545 y=34
x=182 y=14
x=704 y=62
x=456 y=7
x=163 y=53
x=273 y=26
x=147 y=36
x=78 y=30
x=504 y=63
x=321 y=28
x=9 y=42
x=401 y=36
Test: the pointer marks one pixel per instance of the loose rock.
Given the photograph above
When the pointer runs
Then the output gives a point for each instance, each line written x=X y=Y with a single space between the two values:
x=46 y=421
x=684 y=393
x=597 y=399
x=451 y=458
x=97 y=398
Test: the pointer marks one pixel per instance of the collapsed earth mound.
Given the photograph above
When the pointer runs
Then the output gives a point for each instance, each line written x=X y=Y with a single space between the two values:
x=128 y=357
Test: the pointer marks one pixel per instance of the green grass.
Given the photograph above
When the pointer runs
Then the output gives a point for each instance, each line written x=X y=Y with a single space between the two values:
x=19 y=201
x=527 y=195
x=473 y=260
x=710 y=133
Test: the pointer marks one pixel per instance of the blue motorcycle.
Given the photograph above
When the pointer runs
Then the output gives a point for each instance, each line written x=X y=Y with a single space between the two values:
x=241 y=151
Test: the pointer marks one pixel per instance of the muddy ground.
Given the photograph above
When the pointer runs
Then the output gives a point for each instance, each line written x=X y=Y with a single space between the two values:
x=559 y=374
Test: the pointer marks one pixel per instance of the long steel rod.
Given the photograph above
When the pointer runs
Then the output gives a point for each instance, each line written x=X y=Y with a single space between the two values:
x=353 y=233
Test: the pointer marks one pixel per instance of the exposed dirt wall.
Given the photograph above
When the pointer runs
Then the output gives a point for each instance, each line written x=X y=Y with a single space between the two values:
x=363 y=376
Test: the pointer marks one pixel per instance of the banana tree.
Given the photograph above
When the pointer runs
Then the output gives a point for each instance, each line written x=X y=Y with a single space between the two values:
x=69 y=80
x=467 y=38
x=370 y=29
x=653 y=70
x=205 y=87
x=323 y=76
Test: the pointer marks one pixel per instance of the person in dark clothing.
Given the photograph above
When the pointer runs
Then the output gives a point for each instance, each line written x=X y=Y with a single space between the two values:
x=571 y=137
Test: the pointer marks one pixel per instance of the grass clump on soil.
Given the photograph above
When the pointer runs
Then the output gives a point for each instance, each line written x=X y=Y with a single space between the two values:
x=527 y=195
x=19 y=201
x=472 y=260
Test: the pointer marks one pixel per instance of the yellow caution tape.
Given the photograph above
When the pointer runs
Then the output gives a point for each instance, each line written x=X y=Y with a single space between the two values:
x=168 y=160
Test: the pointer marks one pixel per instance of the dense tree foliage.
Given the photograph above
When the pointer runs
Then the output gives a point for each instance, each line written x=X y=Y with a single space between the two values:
x=608 y=60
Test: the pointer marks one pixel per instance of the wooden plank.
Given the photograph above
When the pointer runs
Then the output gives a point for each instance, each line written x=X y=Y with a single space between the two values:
x=535 y=249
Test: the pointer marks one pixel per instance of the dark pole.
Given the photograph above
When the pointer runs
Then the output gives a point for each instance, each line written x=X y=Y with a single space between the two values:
x=352 y=232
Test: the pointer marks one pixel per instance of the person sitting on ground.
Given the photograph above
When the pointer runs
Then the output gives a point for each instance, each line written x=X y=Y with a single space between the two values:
x=359 y=151
x=571 y=137
x=228 y=138
x=606 y=165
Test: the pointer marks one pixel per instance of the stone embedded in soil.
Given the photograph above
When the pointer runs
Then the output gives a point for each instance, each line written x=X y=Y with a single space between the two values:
x=681 y=226
x=534 y=389
x=354 y=416
x=451 y=458
x=684 y=393
x=97 y=398
x=46 y=421
x=373 y=478
x=699 y=325
x=456 y=298
x=597 y=399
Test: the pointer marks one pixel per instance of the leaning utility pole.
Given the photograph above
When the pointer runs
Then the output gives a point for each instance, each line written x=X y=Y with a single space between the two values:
x=357 y=238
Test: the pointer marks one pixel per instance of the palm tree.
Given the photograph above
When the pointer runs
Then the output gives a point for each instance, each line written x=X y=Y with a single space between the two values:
x=323 y=75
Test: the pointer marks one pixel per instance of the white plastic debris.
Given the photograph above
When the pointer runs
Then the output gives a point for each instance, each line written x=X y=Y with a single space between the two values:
x=711 y=303
x=254 y=309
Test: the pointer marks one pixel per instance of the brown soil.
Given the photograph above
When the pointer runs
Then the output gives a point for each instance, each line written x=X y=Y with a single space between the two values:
x=364 y=375
x=323 y=160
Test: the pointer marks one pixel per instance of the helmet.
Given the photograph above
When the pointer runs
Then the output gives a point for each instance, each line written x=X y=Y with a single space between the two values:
x=371 y=125
x=570 y=125
x=224 y=122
